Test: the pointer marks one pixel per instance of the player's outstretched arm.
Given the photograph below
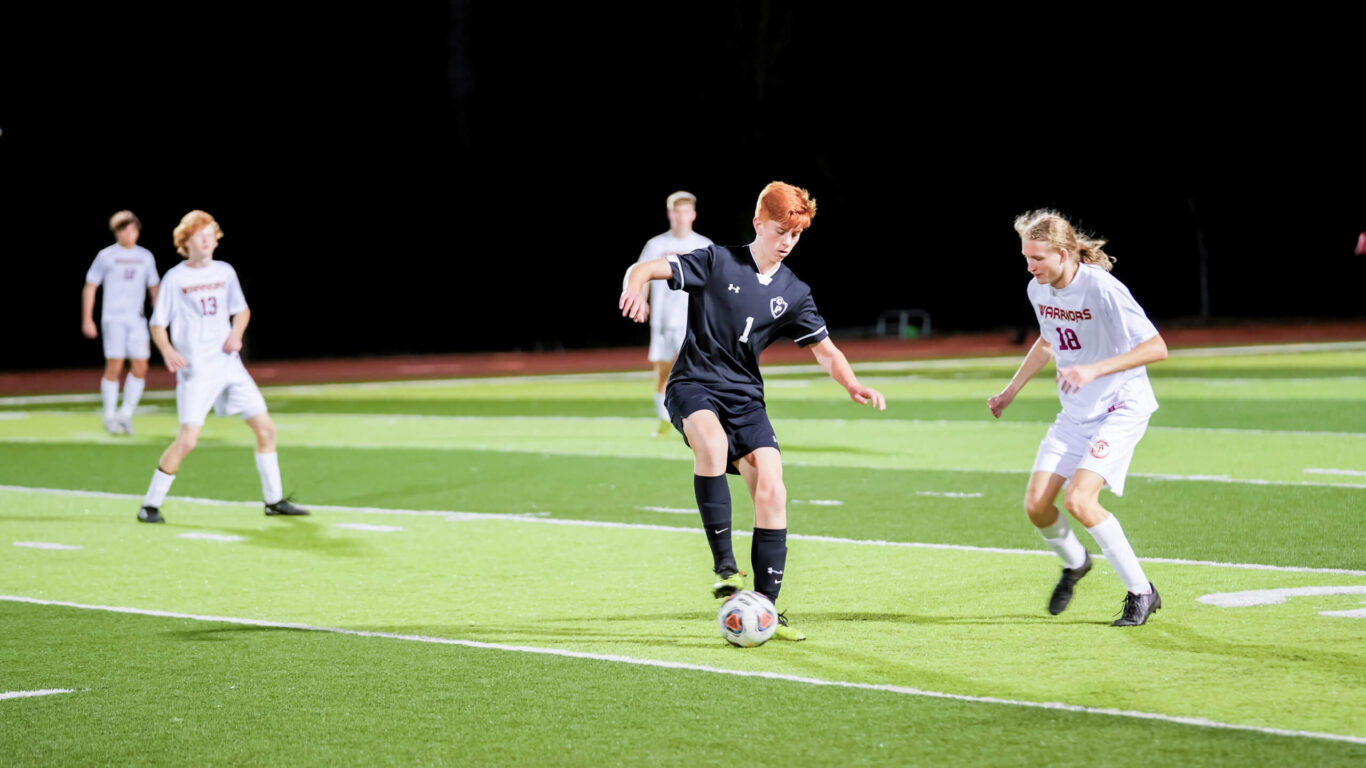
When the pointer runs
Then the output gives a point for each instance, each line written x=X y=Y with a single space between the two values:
x=239 y=328
x=1077 y=376
x=88 y=311
x=1034 y=362
x=173 y=359
x=632 y=302
x=834 y=362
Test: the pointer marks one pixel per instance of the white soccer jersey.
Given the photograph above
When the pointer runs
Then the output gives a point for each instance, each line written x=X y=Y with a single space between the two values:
x=126 y=274
x=198 y=305
x=1092 y=319
x=669 y=308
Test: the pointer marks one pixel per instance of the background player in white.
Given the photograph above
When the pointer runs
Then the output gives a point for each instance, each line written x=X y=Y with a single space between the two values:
x=1102 y=340
x=668 y=307
x=125 y=269
x=197 y=299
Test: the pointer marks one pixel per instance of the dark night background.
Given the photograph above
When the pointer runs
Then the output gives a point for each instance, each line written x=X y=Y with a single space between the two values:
x=472 y=175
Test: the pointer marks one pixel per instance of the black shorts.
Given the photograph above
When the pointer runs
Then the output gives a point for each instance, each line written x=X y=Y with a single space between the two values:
x=744 y=420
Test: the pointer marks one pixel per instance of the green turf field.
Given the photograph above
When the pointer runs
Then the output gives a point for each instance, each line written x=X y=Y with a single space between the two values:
x=509 y=572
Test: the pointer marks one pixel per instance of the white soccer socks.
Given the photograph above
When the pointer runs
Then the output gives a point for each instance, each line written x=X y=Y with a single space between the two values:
x=268 y=465
x=109 y=393
x=659 y=407
x=132 y=393
x=160 y=486
x=1060 y=539
x=1110 y=536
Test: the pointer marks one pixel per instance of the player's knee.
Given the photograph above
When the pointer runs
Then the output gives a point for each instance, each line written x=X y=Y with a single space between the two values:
x=770 y=495
x=1080 y=504
x=186 y=442
x=1040 y=510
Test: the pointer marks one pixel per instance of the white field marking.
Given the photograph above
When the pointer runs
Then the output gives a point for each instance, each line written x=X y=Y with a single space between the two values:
x=27 y=694
x=543 y=517
x=1199 y=722
x=1351 y=472
x=669 y=510
x=820 y=502
x=45 y=545
x=369 y=527
x=1273 y=596
x=950 y=494
x=13 y=415
x=223 y=537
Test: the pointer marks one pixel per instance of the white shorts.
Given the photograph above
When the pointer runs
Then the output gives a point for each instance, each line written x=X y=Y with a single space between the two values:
x=228 y=391
x=1104 y=446
x=125 y=338
x=665 y=343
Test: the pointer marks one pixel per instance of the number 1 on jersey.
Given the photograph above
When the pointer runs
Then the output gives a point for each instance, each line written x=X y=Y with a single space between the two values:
x=744 y=337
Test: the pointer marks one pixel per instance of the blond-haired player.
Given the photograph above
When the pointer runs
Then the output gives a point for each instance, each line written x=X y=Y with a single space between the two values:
x=741 y=300
x=1102 y=341
x=202 y=305
x=126 y=270
x=669 y=307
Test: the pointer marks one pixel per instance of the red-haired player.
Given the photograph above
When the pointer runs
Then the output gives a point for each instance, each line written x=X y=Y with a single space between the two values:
x=201 y=303
x=741 y=299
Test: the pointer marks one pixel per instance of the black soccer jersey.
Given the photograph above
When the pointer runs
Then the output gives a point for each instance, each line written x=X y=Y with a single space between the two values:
x=734 y=313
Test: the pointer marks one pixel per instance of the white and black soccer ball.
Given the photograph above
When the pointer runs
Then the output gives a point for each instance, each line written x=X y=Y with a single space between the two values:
x=747 y=619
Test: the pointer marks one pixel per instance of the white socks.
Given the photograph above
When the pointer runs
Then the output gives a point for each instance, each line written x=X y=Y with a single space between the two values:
x=1060 y=539
x=659 y=407
x=268 y=465
x=109 y=393
x=1110 y=536
x=132 y=393
x=156 y=492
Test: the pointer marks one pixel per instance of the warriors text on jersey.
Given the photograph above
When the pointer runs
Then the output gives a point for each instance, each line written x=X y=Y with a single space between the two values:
x=734 y=312
x=669 y=307
x=198 y=304
x=126 y=274
x=1092 y=319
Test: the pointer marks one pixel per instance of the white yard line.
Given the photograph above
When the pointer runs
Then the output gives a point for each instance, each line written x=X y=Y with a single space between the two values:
x=1199 y=722
x=539 y=517
x=669 y=510
x=1348 y=472
x=46 y=545
x=226 y=538
x=369 y=527
x=28 y=694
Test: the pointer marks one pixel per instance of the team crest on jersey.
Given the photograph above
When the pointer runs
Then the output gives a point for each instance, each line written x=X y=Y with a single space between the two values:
x=777 y=306
x=1100 y=449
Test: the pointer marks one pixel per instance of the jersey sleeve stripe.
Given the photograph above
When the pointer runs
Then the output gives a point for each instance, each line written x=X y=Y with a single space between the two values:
x=674 y=260
x=816 y=332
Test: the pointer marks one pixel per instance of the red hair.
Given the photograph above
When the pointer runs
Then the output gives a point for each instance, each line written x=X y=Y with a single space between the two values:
x=792 y=207
x=191 y=223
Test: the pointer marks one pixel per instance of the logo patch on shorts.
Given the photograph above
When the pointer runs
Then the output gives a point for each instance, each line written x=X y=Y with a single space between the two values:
x=1100 y=449
x=777 y=306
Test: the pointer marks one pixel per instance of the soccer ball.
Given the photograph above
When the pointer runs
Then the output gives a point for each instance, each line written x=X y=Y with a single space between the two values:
x=747 y=619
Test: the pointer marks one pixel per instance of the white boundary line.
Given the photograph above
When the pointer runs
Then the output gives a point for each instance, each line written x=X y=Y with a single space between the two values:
x=28 y=694
x=539 y=517
x=678 y=665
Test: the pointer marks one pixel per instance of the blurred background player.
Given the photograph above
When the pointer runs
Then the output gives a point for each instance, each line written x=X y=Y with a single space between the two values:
x=199 y=296
x=669 y=307
x=741 y=299
x=125 y=269
x=1102 y=339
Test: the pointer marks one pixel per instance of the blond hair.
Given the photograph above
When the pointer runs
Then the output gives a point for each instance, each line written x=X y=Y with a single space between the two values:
x=122 y=219
x=1050 y=227
x=191 y=223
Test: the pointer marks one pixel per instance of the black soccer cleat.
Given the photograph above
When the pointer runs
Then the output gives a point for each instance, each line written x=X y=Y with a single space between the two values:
x=285 y=506
x=150 y=515
x=1062 y=594
x=1137 y=608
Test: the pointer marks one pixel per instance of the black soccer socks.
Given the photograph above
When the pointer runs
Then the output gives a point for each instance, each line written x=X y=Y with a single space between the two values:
x=768 y=554
x=713 y=501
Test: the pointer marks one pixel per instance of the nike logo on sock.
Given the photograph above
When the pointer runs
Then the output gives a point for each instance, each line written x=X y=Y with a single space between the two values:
x=721 y=530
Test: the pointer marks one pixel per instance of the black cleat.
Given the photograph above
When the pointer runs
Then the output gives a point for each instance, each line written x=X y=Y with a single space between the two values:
x=1062 y=594
x=1137 y=608
x=285 y=506
x=150 y=515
